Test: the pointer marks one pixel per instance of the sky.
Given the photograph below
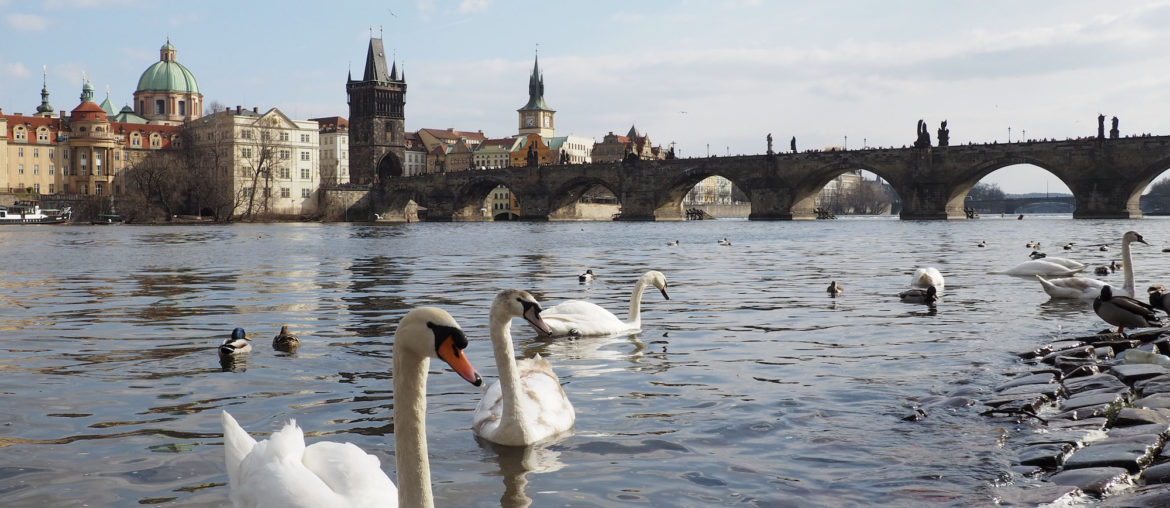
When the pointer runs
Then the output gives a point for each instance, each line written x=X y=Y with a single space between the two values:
x=712 y=76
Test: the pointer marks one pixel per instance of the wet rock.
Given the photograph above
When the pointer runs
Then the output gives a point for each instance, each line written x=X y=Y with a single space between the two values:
x=1021 y=402
x=1137 y=416
x=1155 y=401
x=1095 y=423
x=1156 y=474
x=1118 y=346
x=1047 y=455
x=1095 y=382
x=1159 y=384
x=1069 y=364
x=1150 y=496
x=1028 y=379
x=1049 y=390
x=1131 y=373
x=1130 y=453
x=1034 y=496
x=917 y=415
x=1082 y=352
x=1093 y=399
x=1094 y=480
x=1156 y=429
x=1083 y=370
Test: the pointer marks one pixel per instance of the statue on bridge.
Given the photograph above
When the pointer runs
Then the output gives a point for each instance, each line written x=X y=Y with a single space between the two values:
x=1113 y=133
x=923 y=140
x=533 y=158
x=770 y=152
x=793 y=144
x=944 y=135
x=1100 y=126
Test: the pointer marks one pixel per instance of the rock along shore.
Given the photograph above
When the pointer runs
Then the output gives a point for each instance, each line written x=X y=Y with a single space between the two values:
x=1092 y=417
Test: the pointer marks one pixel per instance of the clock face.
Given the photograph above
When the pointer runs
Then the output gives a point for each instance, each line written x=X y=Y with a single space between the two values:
x=546 y=121
x=530 y=121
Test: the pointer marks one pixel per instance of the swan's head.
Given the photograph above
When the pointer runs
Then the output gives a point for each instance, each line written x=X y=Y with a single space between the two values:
x=656 y=279
x=1133 y=236
x=513 y=303
x=431 y=332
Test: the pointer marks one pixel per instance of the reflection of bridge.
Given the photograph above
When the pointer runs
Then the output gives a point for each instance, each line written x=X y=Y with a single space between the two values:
x=1017 y=205
x=1106 y=177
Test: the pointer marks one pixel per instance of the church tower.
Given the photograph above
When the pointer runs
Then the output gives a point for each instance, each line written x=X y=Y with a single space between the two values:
x=536 y=117
x=377 y=121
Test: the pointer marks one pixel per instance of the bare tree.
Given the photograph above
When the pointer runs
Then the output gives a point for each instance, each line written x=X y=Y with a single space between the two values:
x=261 y=156
x=209 y=164
x=156 y=185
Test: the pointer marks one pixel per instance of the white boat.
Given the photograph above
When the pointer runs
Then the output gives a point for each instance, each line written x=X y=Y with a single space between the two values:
x=30 y=212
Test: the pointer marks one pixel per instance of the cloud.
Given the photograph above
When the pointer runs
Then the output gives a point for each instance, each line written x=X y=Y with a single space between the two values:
x=26 y=22
x=474 y=6
x=15 y=69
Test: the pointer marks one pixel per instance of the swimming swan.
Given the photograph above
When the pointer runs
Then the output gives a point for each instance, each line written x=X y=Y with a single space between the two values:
x=1039 y=267
x=1085 y=288
x=581 y=318
x=282 y=471
x=527 y=404
x=926 y=277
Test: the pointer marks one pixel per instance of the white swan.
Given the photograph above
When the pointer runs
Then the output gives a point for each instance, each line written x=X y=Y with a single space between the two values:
x=927 y=277
x=282 y=472
x=527 y=405
x=1085 y=288
x=581 y=318
x=1066 y=262
x=1039 y=267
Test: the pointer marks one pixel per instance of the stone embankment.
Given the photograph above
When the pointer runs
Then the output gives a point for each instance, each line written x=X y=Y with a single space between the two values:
x=1092 y=418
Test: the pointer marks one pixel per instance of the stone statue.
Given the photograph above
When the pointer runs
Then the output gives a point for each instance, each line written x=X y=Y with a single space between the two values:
x=793 y=144
x=944 y=135
x=1113 y=133
x=770 y=152
x=1100 y=126
x=923 y=140
x=532 y=157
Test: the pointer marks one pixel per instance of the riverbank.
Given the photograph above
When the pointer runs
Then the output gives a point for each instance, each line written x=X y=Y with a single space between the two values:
x=1092 y=415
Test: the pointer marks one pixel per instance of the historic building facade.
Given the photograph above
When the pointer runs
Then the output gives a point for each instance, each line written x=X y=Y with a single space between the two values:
x=167 y=92
x=377 y=119
x=334 y=138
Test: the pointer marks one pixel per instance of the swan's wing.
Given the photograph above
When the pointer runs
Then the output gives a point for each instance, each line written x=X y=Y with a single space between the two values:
x=237 y=444
x=486 y=418
x=586 y=318
x=351 y=472
x=544 y=398
x=272 y=475
x=1071 y=287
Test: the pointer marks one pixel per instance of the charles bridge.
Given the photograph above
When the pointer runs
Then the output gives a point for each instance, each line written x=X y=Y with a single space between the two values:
x=1106 y=177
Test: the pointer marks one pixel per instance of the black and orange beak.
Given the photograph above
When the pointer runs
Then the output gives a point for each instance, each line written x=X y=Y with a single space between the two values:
x=453 y=355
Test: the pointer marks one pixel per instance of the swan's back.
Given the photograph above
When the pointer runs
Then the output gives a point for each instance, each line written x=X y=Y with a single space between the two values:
x=1039 y=267
x=551 y=413
x=1082 y=288
x=926 y=277
x=587 y=318
x=282 y=472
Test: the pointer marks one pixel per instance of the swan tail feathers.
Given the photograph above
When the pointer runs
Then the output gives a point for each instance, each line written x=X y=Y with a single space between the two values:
x=237 y=445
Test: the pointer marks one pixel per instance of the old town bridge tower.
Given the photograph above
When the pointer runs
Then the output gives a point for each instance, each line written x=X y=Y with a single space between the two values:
x=377 y=122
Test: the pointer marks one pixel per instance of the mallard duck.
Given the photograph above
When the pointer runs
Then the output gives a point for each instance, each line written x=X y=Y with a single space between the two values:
x=672 y=244
x=1101 y=270
x=283 y=471
x=1123 y=311
x=834 y=289
x=1158 y=298
x=981 y=244
x=237 y=344
x=285 y=341
x=586 y=277
x=928 y=296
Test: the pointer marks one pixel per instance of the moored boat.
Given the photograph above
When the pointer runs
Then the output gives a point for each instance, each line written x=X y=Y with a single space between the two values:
x=30 y=212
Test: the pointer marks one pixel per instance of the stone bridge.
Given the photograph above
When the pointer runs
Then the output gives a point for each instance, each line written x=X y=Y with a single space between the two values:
x=1106 y=177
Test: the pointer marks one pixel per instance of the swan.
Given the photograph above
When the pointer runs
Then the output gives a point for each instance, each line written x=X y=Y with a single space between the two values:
x=926 y=296
x=1086 y=288
x=1039 y=267
x=927 y=277
x=282 y=472
x=586 y=277
x=834 y=289
x=1123 y=311
x=237 y=344
x=285 y=341
x=1158 y=299
x=581 y=318
x=527 y=404
x=1066 y=262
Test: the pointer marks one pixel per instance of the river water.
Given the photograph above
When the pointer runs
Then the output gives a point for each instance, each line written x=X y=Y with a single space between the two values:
x=749 y=387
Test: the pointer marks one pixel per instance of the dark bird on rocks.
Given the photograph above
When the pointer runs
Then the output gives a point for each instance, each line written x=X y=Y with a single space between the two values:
x=1158 y=298
x=1123 y=311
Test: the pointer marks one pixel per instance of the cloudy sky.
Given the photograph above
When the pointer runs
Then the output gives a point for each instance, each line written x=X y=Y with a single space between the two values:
x=709 y=75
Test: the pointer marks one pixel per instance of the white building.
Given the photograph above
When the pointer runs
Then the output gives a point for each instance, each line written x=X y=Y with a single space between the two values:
x=273 y=159
x=578 y=149
x=334 y=137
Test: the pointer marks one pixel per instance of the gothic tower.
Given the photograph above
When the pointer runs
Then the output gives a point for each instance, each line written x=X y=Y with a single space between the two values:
x=377 y=123
x=536 y=117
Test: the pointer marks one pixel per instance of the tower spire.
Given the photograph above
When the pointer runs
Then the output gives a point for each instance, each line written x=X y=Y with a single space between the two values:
x=45 y=108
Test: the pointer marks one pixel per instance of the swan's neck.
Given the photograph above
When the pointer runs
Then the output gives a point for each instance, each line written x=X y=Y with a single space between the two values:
x=410 y=434
x=512 y=414
x=1127 y=269
x=635 y=315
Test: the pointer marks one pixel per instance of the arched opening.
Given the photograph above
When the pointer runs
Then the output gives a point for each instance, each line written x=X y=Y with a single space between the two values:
x=584 y=200
x=389 y=167
x=486 y=200
x=1018 y=189
x=842 y=190
x=1155 y=198
x=716 y=197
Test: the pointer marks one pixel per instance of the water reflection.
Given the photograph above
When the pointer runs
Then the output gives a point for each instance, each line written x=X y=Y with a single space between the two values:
x=515 y=463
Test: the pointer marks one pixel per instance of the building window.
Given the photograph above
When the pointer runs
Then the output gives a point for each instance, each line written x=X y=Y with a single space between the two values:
x=285 y=154
x=304 y=138
x=246 y=152
x=84 y=189
x=20 y=169
x=160 y=106
x=182 y=108
x=284 y=174
x=36 y=169
x=51 y=153
x=246 y=133
x=36 y=152
x=306 y=193
x=284 y=192
x=50 y=188
x=97 y=189
x=304 y=156
x=283 y=136
x=51 y=170
x=20 y=152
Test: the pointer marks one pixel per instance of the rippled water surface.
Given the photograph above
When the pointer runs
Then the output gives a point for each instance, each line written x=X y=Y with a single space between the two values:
x=749 y=387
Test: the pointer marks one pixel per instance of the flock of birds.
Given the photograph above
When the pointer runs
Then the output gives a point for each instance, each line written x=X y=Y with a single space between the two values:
x=526 y=405
x=1058 y=277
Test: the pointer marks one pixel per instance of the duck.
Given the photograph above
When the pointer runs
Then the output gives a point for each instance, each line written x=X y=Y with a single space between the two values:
x=834 y=289
x=1104 y=248
x=928 y=296
x=283 y=471
x=1030 y=245
x=1037 y=255
x=1123 y=311
x=285 y=341
x=982 y=243
x=586 y=277
x=527 y=404
x=1158 y=298
x=1068 y=246
x=581 y=318
x=672 y=243
x=1101 y=270
x=725 y=242
x=237 y=344
x=1039 y=267
x=927 y=277
x=1085 y=288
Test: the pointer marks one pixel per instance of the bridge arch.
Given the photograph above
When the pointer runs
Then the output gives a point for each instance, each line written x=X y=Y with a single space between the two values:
x=470 y=200
x=669 y=203
x=806 y=192
x=967 y=179
x=390 y=166
x=566 y=201
x=1142 y=181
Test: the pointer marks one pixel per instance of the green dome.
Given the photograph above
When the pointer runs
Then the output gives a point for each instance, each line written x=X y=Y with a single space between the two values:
x=168 y=77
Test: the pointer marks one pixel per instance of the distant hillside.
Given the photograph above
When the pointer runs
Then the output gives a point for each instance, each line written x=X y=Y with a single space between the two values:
x=1031 y=195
